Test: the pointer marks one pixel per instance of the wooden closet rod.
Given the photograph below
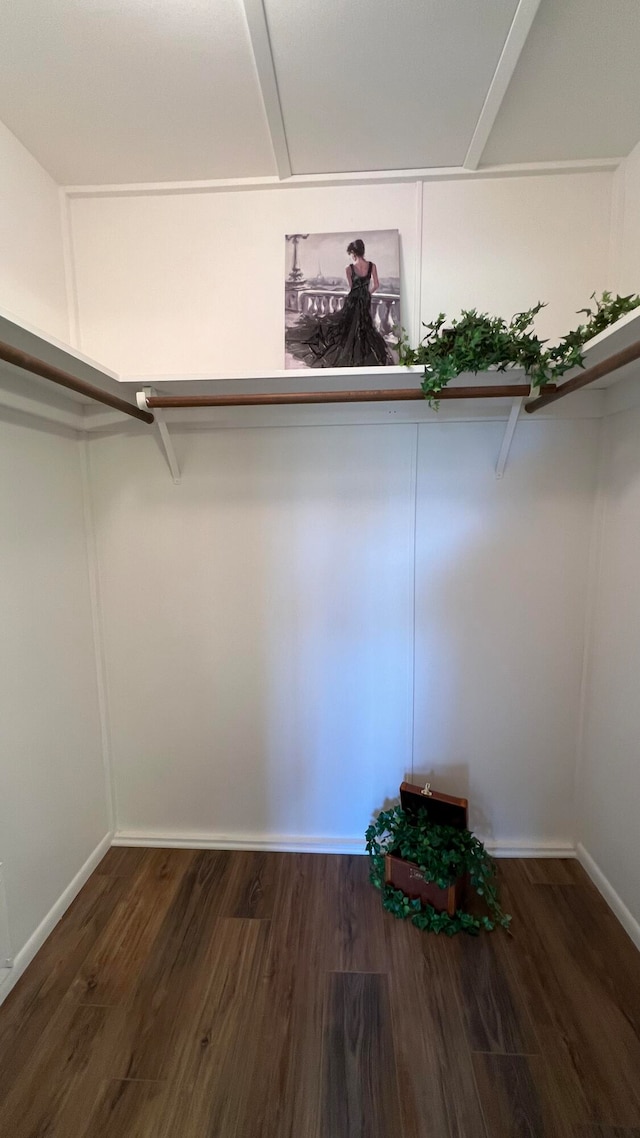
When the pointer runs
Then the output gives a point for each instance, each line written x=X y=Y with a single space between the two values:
x=612 y=363
x=512 y=390
x=22 y=360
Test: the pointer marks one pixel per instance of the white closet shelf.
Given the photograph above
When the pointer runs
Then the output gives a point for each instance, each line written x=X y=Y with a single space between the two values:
x=32 y=391
x=308 y=379
x=27 y=338
x=619 y=336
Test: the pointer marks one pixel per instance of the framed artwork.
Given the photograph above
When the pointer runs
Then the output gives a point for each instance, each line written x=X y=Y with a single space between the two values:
x=342 y=299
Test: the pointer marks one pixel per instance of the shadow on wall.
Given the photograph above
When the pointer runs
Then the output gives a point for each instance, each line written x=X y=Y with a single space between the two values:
x=271 y=648
x=261 y=682
x=339 y=647
x=453 y=778
x=501 y=572
x=450 y=778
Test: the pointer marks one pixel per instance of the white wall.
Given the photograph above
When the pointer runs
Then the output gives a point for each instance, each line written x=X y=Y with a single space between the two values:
x=502 y=244
x=610 y=774
x=627 y=191
x=258 y=628
x=228 y=672
x=500 y=596
x=32 y=281
x=260 y=637
x=315 y=612
x=52 y=788
x=193 y=283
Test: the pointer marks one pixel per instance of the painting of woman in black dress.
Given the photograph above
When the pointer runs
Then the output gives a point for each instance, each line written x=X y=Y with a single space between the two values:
x=342 y=316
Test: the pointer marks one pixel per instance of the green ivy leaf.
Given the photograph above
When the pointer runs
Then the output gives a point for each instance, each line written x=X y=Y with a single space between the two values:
x=475 y=342
x=442 y=854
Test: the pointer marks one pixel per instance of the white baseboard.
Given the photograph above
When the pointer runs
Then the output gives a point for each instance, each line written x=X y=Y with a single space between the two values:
x=10 y=976
x=613 y=899
x=297 y=844
x=529 y=849
x=279 y=843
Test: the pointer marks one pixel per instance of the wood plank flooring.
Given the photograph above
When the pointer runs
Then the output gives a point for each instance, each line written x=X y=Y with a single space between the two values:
x=198 y=994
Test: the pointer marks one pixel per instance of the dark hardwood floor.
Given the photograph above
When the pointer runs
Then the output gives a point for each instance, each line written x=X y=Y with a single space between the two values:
x=197 y=994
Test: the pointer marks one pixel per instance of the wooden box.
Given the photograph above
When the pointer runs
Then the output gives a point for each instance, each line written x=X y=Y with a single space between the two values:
x=443 y=810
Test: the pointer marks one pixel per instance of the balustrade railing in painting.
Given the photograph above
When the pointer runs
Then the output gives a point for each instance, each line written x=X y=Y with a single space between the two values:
x=385 y=306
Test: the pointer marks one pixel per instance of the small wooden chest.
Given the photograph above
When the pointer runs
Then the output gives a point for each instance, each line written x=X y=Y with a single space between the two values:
x=443 y=810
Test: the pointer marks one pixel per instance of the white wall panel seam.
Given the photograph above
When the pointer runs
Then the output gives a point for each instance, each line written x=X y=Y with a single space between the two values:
x=69 y=264
x=591 y=606
x=417 y=300
x=413 y=594
x=616 y=226
x=93 y=572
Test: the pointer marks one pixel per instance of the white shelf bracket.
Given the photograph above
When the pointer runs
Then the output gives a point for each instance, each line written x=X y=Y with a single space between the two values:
x=516 y=408
x=164 y=437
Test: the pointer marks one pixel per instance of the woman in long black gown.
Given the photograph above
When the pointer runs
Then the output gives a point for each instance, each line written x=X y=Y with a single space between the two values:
x=347 y=338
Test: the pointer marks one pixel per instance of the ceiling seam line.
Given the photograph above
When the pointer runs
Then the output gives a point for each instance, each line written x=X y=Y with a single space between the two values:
x=262 y=51
x=512 y=49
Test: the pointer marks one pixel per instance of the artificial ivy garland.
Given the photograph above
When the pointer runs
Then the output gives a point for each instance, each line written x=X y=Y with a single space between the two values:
x=443 y=853
x=476 y=342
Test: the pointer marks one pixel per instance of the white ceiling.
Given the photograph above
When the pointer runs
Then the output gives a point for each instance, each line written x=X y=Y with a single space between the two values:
x=117 y=91
x=133 y=90
x=373 y=85
x=576 y=89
